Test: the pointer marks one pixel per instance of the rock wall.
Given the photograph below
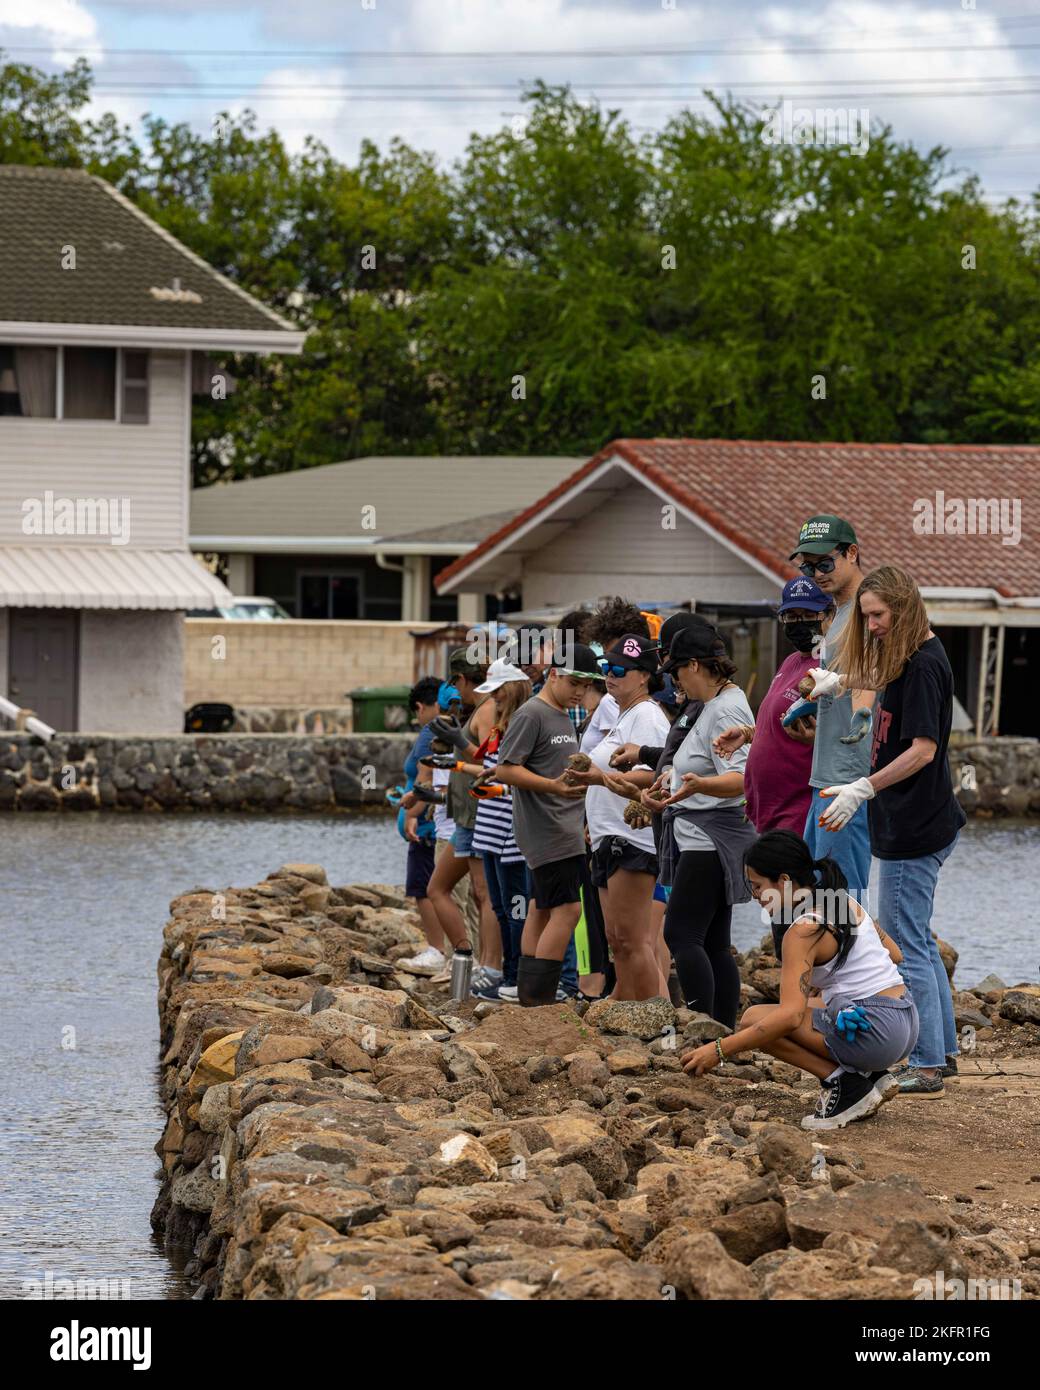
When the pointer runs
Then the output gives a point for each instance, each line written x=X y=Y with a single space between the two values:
x=337 y=1129
x=198 y=772
x=291 y=772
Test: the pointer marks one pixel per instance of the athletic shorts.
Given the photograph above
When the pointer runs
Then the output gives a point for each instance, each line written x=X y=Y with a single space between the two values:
x=462 y=844
x=558 y=883
x=419 y=869
x=615 y=852
x=891 y=1036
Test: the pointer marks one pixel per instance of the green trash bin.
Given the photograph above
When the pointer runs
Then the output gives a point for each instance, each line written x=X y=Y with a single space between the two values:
x=380 y=709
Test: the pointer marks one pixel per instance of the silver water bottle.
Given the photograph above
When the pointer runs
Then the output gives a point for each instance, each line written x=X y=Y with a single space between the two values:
x=461 y=975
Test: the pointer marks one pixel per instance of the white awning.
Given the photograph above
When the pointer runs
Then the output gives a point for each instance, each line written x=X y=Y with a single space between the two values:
x=95 y=576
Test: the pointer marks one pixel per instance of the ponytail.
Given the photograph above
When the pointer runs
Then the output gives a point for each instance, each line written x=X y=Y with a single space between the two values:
x=780 y=852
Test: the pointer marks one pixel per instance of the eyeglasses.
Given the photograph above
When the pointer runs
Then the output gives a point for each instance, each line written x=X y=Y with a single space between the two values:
x=610 y=670
x=825 y=565
x=786 y=619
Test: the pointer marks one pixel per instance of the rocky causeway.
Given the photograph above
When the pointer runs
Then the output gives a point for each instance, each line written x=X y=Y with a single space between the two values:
x=338 y=1129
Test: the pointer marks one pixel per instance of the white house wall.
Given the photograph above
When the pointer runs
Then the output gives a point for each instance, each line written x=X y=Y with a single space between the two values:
x=99 y=458
x=131 y=672
x=621 y=547
x=4 y=643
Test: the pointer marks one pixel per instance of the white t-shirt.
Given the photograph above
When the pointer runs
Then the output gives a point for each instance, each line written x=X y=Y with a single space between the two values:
x=444 y=823
x=645 y=723
x=604 y=717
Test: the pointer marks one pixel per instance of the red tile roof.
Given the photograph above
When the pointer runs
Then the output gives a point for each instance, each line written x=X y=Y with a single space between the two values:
x=757 y=493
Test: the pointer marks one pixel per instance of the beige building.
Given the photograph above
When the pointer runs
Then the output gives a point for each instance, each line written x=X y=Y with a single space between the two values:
x=103 y=316
x=361 y=539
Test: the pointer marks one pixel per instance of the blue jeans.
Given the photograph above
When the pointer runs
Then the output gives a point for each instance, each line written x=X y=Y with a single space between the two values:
x=906 y=892
x=849 y=847
x=507 y=893
x=569 y=973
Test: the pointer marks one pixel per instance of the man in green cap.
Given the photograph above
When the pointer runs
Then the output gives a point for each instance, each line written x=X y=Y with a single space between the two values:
x=828 y=552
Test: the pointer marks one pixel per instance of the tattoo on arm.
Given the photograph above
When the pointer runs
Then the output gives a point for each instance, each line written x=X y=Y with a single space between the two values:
x=805 y=982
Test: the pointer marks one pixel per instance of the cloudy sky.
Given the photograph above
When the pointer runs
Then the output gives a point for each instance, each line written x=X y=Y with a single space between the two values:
x=961 y=73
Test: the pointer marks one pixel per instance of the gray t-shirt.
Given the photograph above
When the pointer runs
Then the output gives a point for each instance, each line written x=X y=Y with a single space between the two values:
x=546 y=828
x=695 y=754
x=835 y=763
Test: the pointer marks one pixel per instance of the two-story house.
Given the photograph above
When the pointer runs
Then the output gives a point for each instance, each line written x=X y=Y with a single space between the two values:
x=104 y=323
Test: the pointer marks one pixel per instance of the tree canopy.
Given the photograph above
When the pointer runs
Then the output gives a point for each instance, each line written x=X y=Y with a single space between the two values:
x=557 y=288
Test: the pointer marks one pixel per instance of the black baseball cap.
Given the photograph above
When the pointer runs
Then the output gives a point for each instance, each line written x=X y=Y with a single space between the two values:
x=634 y=652
x=694 y=644
x=676 y=623
x=578 y=660
x=820 y=534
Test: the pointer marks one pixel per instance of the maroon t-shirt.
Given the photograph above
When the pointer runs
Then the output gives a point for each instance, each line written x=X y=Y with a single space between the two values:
x=776 y=776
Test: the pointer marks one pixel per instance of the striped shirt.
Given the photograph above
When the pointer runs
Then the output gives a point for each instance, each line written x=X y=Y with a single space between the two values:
x=493 y=832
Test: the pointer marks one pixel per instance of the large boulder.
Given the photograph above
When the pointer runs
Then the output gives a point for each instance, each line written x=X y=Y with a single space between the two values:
x=635 y=1018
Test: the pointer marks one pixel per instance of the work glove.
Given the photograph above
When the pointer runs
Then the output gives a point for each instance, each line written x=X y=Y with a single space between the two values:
x=422 y=791
x=851 y=1021
x=847 y=801
x=824 y=682
x=861 y=725
x=445 y=761
x=450 y=731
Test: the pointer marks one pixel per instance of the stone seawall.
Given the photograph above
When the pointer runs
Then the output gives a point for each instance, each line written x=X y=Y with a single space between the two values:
x=337 y=1129
x=291 y=772
x=199 y=772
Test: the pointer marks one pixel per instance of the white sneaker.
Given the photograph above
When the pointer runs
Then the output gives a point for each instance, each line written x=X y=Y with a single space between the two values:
x=430 y=959
x=509 y=992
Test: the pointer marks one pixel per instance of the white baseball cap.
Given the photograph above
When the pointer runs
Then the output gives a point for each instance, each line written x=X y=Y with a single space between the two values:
x=500 y=673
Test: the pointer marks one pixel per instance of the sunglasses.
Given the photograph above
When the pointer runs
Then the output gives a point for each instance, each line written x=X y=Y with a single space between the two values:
x=609 y=669
x=825 y=565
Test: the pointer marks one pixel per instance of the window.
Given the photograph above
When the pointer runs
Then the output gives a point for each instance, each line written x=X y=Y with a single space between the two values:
x=329 y=595
x=74 y=383
x=135 y=388
x=89 y=384
x=28 y=381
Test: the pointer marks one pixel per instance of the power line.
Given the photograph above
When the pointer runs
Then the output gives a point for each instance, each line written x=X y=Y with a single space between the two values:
x=509 y=88
x=257 y=96
x=430 y=55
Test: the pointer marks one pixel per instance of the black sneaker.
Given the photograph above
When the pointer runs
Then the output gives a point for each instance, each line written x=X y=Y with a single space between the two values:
x=949 y=1071
x=886 y=1085
x=848 y=1097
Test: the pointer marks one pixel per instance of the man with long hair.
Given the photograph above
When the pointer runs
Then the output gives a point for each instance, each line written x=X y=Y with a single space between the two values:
x=914 y=817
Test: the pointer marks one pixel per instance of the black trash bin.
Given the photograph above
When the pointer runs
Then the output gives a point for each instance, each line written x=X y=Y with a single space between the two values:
x=209 y=719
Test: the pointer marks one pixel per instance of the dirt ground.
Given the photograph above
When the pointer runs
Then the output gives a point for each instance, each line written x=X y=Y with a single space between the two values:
x=976 y=1147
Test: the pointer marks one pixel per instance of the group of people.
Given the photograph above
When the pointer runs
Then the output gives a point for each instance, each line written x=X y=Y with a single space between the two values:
x=584 y=812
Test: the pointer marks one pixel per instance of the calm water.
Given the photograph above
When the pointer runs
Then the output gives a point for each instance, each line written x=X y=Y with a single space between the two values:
x=82 y=902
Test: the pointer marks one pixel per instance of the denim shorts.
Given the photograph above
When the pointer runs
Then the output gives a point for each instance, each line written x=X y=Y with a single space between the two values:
x=891 y=1036
x=462 y=844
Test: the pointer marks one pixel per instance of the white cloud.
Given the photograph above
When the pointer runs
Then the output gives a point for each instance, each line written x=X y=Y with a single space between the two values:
x=64 y=26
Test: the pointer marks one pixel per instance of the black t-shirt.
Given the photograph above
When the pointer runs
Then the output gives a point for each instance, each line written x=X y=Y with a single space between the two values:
x=920 y=815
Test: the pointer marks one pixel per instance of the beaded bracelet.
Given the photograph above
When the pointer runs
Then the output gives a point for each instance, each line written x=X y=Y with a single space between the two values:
x=718 y=1049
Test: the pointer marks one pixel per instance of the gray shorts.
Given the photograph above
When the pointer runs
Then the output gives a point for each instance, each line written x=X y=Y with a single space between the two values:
x=891 y=1036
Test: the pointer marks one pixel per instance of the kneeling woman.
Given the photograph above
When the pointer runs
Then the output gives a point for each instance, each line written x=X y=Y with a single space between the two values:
x=865 y=1020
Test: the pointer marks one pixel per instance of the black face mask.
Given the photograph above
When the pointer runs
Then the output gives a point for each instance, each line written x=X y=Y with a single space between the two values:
x=803 y=635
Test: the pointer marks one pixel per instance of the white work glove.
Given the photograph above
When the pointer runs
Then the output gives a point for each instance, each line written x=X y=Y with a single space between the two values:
x=847 y=801
x=825 y=682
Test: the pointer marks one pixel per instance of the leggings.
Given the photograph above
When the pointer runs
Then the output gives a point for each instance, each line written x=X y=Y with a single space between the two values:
x=507 y=892
x=696 y=930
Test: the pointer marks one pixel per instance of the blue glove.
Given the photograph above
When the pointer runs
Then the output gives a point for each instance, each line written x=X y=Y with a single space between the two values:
x=851 y=1021
x=394 y=794
x=859 y=726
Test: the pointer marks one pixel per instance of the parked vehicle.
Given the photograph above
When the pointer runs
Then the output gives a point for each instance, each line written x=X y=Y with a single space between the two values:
x=252 y=609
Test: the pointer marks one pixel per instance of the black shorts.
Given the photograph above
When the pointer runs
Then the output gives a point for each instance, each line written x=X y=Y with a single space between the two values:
x=558 y=883
x=615 y=852
x=420 y=869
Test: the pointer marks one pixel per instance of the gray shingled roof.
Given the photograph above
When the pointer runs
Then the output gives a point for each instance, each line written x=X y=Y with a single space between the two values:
x=120 y=255
x=422 y=499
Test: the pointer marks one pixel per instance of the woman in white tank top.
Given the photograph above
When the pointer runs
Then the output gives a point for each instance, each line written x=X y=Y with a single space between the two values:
x=844 y=1014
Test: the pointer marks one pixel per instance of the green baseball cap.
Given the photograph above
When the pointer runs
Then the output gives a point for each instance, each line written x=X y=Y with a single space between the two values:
x=820 y=534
